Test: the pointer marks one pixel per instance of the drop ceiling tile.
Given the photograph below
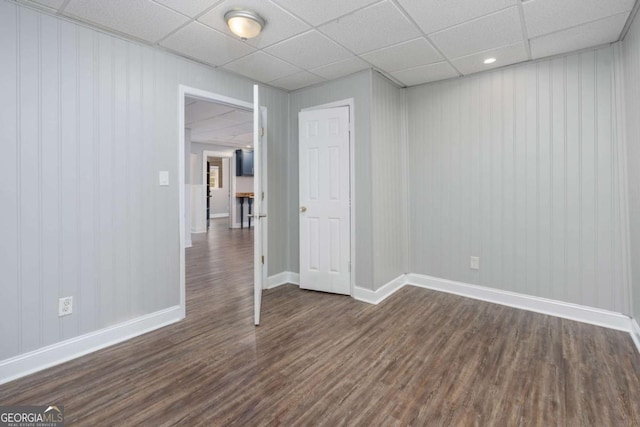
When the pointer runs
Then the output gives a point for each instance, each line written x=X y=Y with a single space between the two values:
x=191 y=8
x=405 y=55
x=207 y=45
x=296 y=81
x=318 y=12
x=239 y=116
x=279 y=23
x=341 y=68
x=491 y=31
x=142 y=19
x=261 y=67
x=212 y=124
x=547 y=16
x=309 y=50
x=238 y=129
x=245 y=138
x=374 y=27
x=201 y=110
x=425 y=74
x=504 y=55
x=592 y=34
x=435 y=15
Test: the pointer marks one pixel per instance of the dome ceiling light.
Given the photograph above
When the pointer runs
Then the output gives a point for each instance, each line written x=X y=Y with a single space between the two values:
x=244 y=23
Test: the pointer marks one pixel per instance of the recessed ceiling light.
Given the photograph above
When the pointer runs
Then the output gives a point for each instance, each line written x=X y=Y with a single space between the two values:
x=244 y=23
x=490 y=60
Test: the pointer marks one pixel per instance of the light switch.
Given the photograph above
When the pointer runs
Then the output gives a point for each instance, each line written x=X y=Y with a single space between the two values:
x=163 y=178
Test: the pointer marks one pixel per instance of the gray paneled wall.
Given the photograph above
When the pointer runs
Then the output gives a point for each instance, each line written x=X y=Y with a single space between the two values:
x=88 y=120
x=631 y=66
x=358 y=87
x=519 y=167
x=388 y=166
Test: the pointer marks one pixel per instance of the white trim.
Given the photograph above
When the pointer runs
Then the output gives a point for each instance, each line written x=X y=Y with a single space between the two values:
x=220 y=215
x=284 y=278
x=580 y=313
x=207 y=96
x=377 y=296
x=46 y=357
x=349 y=102
x=635 y=333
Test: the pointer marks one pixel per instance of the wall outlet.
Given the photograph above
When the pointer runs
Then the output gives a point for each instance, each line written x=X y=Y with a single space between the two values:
x=163 y=178
x=474 y=263
x=65 y=306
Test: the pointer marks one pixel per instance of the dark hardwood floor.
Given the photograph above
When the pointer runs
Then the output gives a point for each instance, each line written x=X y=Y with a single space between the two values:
x=420 y=358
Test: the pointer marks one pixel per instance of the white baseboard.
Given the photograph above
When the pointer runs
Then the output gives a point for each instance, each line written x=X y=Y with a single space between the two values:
x=37 y=360
x=219 y=215
x=198 y=231
x=580 y=313
x=283 y=278
x=635 y=333
x=377 y=296
x=246 y=225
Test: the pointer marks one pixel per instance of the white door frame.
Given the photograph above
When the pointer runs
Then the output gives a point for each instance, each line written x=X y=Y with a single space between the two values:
x=349 y=102
x=184 y=91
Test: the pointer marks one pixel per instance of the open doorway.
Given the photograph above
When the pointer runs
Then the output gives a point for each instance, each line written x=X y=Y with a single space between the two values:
x=218 y=136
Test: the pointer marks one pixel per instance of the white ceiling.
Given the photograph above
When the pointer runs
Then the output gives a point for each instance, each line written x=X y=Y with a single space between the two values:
x=306 y=42
x=219 y=124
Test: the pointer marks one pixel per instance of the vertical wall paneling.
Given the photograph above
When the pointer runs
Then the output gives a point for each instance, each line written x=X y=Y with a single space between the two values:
x=105 y=181
x=630 y=87
x=536 y=143
x=544 y=164
x=507 y=165
x=86 y=297
x=88 y=121
x=50 y=174
x=30 y=179
x=388 y=168
x=557 y=251
x=69 y=122
x=10 y=250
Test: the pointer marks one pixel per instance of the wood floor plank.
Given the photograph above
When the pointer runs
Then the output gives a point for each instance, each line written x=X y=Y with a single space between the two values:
x=420 y=358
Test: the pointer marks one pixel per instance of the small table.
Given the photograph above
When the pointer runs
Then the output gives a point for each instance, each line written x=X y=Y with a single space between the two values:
x=249 y=197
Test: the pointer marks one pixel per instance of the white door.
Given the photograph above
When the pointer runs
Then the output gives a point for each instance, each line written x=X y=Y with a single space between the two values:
x=324 y=200
x=259 y=217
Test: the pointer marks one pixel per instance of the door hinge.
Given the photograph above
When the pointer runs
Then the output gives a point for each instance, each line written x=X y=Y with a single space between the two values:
x=263 y=259
x=263 y=195
x=261 y=131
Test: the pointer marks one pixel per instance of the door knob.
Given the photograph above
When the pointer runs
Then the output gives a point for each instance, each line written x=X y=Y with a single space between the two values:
x=303 y=209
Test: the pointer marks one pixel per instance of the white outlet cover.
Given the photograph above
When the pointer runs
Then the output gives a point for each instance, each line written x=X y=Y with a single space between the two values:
x=163 y=178
x=474 y=263
x=65 y=306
